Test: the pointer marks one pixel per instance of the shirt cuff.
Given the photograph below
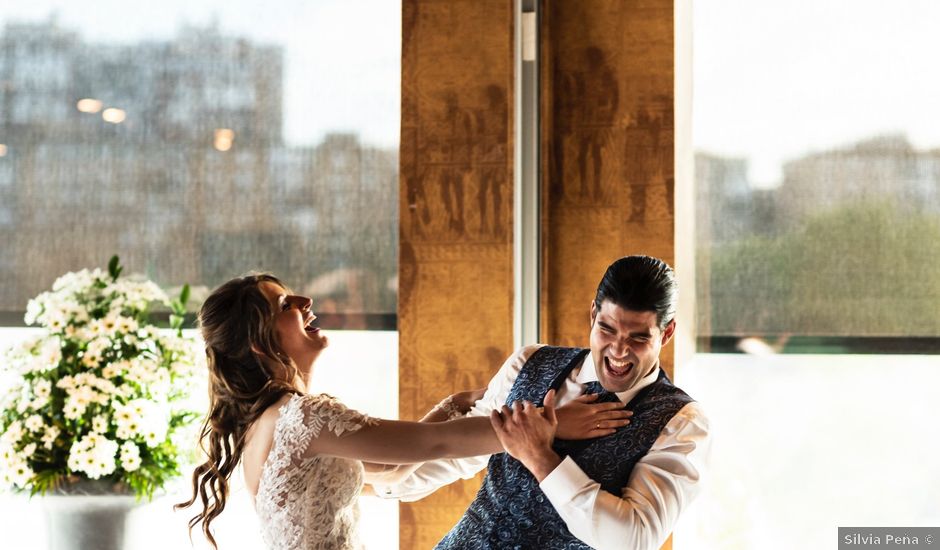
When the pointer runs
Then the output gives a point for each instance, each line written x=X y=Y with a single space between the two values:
x=564 y=482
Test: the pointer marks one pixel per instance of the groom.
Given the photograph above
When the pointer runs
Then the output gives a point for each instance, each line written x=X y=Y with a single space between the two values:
x=621 y=491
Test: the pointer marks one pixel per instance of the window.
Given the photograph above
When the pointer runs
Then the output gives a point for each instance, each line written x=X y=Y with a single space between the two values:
x=199 y=151
x=818 y=286
x=198 y=141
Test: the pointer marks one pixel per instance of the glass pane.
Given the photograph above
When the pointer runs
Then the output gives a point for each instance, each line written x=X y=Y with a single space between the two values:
x=817 y=230
x=817 y=170
x=200 y=140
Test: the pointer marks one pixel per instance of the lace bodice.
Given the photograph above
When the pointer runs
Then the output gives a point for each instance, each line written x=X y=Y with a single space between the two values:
x=308 y=501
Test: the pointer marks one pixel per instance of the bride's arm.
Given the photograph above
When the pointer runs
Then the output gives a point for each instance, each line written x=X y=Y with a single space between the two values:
x=451 y=407
x=397 y=442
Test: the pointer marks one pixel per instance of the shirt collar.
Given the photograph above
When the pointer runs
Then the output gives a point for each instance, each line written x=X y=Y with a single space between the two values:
x=588 y=373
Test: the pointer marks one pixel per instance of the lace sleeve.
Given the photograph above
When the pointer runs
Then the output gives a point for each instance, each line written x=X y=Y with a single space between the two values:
x=304 y=417
x=326 y=411
x=449 y=407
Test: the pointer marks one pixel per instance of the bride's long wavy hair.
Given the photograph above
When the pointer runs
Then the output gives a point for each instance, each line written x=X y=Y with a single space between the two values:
x=248 y=372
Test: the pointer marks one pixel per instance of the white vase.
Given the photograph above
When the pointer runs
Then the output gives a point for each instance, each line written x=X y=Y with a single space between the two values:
x=87 y=519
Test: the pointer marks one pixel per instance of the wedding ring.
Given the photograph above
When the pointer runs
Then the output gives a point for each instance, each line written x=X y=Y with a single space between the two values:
x=598 y=425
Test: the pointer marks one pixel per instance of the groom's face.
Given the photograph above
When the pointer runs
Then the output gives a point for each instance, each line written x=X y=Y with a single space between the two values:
x=625 y=344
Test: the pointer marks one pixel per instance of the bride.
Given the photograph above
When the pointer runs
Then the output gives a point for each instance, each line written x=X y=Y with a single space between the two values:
x=302 y=453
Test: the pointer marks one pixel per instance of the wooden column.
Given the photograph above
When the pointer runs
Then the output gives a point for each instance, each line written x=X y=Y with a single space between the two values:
x=455 y=289
x=607 y=143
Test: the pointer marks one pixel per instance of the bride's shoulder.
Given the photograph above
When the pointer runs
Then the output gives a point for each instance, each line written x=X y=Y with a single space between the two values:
x=317 y=411
x=309 y=402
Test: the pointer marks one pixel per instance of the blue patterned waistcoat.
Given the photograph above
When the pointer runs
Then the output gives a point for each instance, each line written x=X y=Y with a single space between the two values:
x=510 y=510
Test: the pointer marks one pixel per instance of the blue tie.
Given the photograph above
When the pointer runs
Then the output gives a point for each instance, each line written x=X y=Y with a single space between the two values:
x=604 y=395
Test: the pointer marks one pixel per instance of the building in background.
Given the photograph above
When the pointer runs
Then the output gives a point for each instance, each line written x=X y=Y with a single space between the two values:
x=820 y=254
x=171 y=154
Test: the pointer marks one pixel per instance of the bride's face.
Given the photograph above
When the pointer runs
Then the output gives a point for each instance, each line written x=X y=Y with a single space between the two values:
x=293 y=320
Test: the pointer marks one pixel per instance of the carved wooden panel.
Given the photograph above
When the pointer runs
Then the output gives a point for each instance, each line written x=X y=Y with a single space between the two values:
x=607 y=142
x=455 y=287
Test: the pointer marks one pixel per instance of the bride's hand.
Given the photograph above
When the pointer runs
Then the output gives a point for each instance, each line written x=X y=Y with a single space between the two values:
x=464 y=400
x=453 y=406
x=585 y=419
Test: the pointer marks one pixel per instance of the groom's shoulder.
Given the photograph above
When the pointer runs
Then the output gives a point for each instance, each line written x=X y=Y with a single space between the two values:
x=546 y=350
x=690 y=409
x=545 y=358
x=523 y=354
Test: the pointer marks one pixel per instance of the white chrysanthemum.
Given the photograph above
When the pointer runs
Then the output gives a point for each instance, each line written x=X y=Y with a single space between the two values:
x=47 y=356
x=130 y=456
x=17 y=472
x=34 y=423
x=97 y=328
x=100 y=423
x=126 y=324
x=42 y=388
x=90 y=359
x=14 y=433
x=38 y=403
x=142 y=418
x=110 y=370
x=72 y=410
x=160 y=384
x=155 y=434
x=94 y=454
x=67 y=382
x=75 y=281
x=81 y=316
x=55 y=320
x=99 y=345
x=33 y=309
x=7 y=453
x=48 y=439
x=110 y=323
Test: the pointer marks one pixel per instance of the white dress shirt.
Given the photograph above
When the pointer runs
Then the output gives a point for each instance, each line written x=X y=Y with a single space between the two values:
x=662 y=483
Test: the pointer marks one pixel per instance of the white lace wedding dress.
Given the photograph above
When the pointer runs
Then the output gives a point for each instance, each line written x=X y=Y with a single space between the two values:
x=308 y=501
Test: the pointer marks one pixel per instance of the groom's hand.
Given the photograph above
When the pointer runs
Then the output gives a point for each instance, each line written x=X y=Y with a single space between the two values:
x=582 y=418
x=526 y=432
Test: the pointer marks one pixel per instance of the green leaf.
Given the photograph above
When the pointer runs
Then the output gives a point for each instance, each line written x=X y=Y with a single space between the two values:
x=114 y=267
x=184 y=296
x=176 y=322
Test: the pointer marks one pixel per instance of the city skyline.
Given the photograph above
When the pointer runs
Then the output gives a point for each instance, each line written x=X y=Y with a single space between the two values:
x=193 y=183
x=334 y=80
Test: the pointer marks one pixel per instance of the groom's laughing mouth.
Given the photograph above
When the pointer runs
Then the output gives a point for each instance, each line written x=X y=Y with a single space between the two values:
x=617 y=368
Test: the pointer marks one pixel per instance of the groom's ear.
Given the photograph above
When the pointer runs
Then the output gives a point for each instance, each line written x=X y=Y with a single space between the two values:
x=593 y=313
x=669 y=331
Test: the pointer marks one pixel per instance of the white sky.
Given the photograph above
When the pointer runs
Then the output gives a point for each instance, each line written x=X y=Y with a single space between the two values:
x=772 y=80
x=342 y=57
x=775 y=80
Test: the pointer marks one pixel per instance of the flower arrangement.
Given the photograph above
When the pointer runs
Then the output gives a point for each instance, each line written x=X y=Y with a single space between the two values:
x=100 y=394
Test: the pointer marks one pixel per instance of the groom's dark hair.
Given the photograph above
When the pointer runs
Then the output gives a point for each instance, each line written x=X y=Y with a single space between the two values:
x=640 y=283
